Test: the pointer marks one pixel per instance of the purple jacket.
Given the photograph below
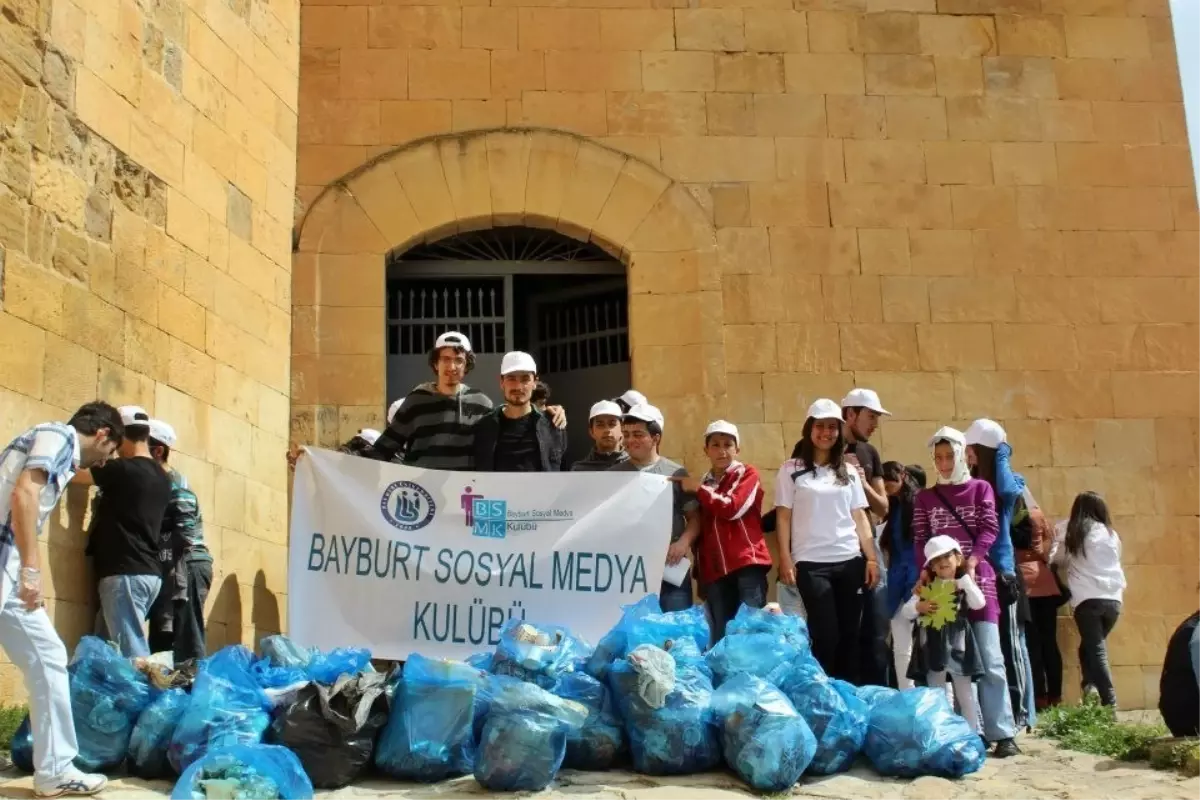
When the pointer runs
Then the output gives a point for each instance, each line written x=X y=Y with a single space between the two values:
x=976 y=504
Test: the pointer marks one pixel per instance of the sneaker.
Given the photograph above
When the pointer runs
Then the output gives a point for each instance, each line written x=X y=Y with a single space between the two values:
x=72 y=783
x=1006 y=748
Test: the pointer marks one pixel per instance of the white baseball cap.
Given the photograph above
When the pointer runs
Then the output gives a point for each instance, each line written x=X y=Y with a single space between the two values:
x=162 y=432
x=605 y=408
x=644 y=412
x=133 y=415
x=824 y=409
x=939 y=546
x=947 y=434
x=721 y=426
x=864 y=398
x=516 y=361
x=634 y=398
x=986 y=432
x=368 y=435
x=393 y=408
x=453 y=339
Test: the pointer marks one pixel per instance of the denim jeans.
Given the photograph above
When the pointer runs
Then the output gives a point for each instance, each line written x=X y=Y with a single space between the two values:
x=675 y=598
x=31 y=643
x=995 y=704
x=1095 y=620
x=125 y=602
x=742 y=587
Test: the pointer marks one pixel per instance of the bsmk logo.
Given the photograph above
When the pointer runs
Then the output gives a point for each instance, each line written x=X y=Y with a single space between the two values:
x=407 y=506
x=487 y=518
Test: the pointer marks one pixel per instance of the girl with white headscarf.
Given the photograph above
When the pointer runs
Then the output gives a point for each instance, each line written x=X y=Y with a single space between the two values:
x=964 y=508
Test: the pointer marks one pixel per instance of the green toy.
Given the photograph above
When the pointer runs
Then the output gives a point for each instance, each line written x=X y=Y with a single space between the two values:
x=941 y=592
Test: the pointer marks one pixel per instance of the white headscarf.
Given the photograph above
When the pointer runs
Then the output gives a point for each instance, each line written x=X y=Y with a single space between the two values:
x=957 y=442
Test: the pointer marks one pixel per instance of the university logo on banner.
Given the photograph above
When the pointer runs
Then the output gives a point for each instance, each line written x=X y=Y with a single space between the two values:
x=402 y=560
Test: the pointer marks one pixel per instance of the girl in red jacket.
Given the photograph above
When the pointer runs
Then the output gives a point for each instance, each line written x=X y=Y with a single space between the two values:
x=732 y=559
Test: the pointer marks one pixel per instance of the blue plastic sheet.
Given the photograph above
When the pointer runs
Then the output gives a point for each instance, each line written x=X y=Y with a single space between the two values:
x=151 y=737
x=525 y=737
x=873 y=695
x=247 y=772
x=108 y=694
x=537 y=653
x=831 y=708
x=764 y=738
x=612 y=645
x=600 y=743
x=22 y=747
x=678 y=738
x=430 y=735
x=227 y=708
x=916 y=732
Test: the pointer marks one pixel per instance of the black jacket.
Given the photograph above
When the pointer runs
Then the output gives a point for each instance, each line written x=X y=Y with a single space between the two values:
x=1179 y=688
x=552 y=442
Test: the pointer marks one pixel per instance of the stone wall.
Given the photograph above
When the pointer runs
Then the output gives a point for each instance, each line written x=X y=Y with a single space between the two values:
x=147 y=164
x=977 y=207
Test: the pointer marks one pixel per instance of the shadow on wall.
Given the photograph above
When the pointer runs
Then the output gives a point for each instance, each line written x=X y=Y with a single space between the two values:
x=227 y=623
x=265 y=610
x=71 y=582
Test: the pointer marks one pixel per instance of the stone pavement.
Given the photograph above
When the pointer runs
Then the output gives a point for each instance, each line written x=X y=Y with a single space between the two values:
x=1045 y=771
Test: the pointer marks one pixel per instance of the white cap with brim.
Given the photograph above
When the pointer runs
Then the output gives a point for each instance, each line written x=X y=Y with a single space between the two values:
x=824 y=409
x=644 y=412
x=452 y=339
x=987 y=433
x=162 y=432
x=133 y=415
x=947 y=434
x=634 y=398
x=721 y=426
x=516 y=361
x=864 y=398
x=393 y=408
x=605 y=408
x=940 y=546
x=368 y=435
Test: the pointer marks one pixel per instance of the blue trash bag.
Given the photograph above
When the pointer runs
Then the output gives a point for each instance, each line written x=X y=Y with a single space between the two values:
x=764 y=738
x=537 y=653
x=525 y=737
x=600 y=743
x=247 y=772
x=658 y=628
x=481 y=661
x=108 y=694
x=671 y=728
x=283 y=663
x=430 y=735
x=916 y=732
x=147 y=757
x=612 y=646
x=791 y=627
x=22 y=747
x=831 y=708
x=757 y=654
x=328 y=667
x=874 y=695
x=227 y=707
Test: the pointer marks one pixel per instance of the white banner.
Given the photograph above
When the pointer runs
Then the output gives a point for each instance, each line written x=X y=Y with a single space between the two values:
x=403 y=560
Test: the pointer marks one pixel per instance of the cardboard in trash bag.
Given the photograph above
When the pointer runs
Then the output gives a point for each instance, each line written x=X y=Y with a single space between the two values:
x=245 y=772
x=916 y=732
x=764 y=738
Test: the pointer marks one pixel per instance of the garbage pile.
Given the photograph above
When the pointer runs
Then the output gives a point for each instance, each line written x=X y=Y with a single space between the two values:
x=292 y=720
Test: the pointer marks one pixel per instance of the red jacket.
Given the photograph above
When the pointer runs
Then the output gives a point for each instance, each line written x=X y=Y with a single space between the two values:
x=731 y=524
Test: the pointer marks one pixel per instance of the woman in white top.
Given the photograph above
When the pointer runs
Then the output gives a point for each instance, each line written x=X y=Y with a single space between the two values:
x=1091 y=551
x=826 y=549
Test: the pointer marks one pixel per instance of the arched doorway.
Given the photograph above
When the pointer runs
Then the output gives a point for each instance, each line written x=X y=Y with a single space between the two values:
x=514 y=288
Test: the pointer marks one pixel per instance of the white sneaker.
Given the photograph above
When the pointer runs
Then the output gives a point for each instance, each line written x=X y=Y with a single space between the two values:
x=72 y=783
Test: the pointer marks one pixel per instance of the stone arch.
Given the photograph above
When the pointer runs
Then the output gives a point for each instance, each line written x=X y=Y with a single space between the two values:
x=434 y=187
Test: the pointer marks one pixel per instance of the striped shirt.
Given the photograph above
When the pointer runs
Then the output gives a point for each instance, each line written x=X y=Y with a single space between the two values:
x=975 y=503
x=51 y=447
x=432 y=430
x=184 y=521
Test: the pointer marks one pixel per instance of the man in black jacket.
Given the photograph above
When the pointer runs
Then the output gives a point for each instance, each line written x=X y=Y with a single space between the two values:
x=1179 y=687
x=517 y=437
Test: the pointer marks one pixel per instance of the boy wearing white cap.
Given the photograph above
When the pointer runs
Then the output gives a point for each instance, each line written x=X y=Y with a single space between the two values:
x=517 y=437
x=630 y=399
x=604 y=426
x=732 y=559
x=642 y=429
x=124 y=537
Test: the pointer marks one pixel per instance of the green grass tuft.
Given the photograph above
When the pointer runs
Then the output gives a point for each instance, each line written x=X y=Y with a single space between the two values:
x=1093 y=728
x=10 y=720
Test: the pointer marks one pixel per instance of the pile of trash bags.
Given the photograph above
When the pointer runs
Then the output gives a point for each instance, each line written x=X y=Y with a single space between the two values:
x=652 y=694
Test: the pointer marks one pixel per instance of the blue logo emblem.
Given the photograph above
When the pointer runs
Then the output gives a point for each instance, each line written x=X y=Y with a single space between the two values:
x=489 y=518
x=407 y=506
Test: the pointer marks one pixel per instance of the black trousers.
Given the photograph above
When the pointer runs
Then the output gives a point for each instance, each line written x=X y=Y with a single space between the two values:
x=833 y=598
x=1095 y=620
x=189 y=614
x=1041 y=637
x=745 y=586
x=675 y=598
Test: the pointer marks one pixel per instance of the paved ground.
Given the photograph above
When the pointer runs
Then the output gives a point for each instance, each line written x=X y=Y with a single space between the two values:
x=1043 y=772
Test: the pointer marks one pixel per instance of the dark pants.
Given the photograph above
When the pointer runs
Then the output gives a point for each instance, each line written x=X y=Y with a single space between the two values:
x=1095 y=620
x=746 y=586
x=162 y=619
x=189 y=614
x=675 y=598
x=1041 y=637
x=833 y=598
x=872 y=644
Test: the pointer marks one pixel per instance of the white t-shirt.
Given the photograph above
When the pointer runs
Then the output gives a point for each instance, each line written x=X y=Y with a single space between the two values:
x=823 y=527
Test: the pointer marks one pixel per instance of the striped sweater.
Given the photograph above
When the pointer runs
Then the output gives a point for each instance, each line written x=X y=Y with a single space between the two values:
x=432 y=430
x=976 y=504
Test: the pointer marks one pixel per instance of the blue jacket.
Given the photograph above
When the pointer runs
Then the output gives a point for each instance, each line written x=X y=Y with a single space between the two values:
x=903 y=571
x=1009 y=487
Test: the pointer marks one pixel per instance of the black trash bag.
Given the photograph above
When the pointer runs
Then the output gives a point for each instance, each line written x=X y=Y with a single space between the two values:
x=332 y=729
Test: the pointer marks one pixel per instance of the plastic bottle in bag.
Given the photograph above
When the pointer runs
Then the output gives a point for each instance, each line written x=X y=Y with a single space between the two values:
x=916 y=732
x=151 y=738
x=525 y=737
x=764 y=738
x=245 y=772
